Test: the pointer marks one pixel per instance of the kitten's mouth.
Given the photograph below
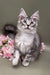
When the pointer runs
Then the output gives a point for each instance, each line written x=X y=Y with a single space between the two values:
x=27 y=28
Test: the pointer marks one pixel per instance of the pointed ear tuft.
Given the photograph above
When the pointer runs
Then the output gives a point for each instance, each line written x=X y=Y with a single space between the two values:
x=22 y=14
x=35 y=16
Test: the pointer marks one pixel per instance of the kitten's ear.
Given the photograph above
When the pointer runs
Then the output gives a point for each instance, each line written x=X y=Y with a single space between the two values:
x=22 y=14
x=35 y=16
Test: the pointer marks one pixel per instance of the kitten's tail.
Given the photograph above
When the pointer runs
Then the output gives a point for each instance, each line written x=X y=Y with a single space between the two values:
x=10 y=30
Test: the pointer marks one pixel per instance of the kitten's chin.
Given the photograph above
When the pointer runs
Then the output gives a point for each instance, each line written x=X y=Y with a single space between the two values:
x=28 y=31
x=31 y=32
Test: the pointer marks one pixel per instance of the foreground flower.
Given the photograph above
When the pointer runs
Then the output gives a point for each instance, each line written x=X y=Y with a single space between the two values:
x=8 y=55
x=1 y=54
x=6 y=47
x=42 y=47
x=0 y=43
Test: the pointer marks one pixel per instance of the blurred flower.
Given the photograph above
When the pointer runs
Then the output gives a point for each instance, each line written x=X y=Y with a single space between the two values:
x=0 y=43
x=42 y=47
x=6 y=47
x=1 y=54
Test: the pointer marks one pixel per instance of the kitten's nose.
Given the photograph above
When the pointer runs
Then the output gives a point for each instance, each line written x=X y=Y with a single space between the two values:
x=28 y=25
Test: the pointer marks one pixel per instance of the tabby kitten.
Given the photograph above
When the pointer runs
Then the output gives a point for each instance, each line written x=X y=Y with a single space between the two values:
x=27 y=42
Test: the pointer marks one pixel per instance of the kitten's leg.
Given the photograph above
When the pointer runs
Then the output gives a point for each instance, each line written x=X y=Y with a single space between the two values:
x=30 y=57
x=26 y=60
x=16 y=58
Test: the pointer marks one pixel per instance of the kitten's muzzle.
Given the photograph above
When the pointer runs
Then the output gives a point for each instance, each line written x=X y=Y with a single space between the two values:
x=27 y=27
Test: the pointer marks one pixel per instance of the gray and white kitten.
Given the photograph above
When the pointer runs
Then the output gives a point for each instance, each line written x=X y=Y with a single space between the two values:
x=27 y=42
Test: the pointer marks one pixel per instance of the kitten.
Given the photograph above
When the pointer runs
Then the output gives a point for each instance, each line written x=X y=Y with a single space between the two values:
x=27 y=41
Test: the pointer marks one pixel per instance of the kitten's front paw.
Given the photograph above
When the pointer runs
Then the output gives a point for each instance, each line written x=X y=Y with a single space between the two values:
x=16 y=59
x=25 y=63
x=15 y=62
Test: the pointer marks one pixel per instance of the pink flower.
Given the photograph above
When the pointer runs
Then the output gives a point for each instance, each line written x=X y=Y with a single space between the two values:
x=8 y=48
x=1 y=54
x=0 y=43
x=8 y=55
x=5 y=50
x=43 y=47
x=2 y=38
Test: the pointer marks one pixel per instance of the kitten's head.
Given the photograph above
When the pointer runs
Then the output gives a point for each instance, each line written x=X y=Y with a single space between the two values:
x=28 y=24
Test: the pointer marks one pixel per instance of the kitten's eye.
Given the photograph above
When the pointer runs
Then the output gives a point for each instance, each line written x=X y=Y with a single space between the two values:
x=24 y=21
x=31 y=22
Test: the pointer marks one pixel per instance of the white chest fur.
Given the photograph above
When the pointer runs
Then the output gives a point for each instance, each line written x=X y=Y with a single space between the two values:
x=24 y=42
